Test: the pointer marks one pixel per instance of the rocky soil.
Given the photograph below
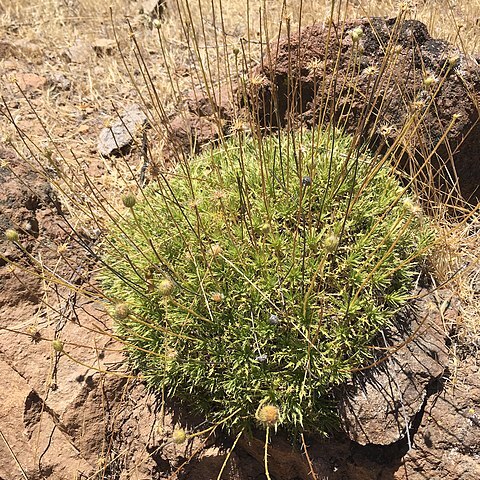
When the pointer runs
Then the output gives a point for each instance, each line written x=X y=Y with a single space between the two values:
x=81 y=414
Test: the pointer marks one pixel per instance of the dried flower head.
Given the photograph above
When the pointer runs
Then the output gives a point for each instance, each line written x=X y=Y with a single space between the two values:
x=412 y=208
x=257 y=80
x=386 y=130
x=370 y=71
x=217 y=297
x=314 y=64
x=166 y=287
x=216 y=250
x=418 y=105
x=268 y=415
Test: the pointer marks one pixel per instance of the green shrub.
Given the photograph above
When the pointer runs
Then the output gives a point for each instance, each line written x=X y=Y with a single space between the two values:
x=261 y=272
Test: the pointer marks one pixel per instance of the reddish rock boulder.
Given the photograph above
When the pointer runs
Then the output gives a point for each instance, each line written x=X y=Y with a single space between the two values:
x=388 y=82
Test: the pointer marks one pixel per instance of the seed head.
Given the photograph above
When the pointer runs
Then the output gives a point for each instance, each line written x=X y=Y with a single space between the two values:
x=268 y=415
x=412 y=208
x=356 y=34
x=129 y=200
x=166 y=287
x=122 y=311
x=11 y=235
x=386 y=130
x=157 y=23
x=331 y=243
x=314 y=65
x=216 y=250
x=57 y=345
x=62 y=248
x=179 y=436
x=217 y=297
x=370 y=71
x=429 y=80
x=257 y=80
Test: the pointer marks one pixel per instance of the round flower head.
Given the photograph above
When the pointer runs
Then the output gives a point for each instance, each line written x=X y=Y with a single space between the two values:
x=11 y=235
x=179 y=436
x=331 y=243
x=57 y=346
x=268 y=415
x=129 y=200
x=122 y=311
x=356 y=34
x=166 y=287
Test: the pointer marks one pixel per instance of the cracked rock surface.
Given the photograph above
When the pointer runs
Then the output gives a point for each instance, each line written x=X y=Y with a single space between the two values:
x=381 y=407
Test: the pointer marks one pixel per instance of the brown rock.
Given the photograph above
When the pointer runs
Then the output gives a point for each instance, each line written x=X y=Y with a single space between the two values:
x=188 y=132
x=30 y=447
x=30 y=81
x=384 y=406
x=448 y=443
x=428 y=87
x=79 y=52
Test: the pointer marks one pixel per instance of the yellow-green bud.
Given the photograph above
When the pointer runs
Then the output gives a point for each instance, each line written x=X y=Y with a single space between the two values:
x=356 y=34
x=129 y=200
x=122 y=311
x=179 y=436
x=57 y=345
x=331 y=243
x=11 y=235
x=266 y=228
x=429 y=80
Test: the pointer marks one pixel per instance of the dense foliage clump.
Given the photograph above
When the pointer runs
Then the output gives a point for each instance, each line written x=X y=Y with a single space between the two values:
x=260 y=273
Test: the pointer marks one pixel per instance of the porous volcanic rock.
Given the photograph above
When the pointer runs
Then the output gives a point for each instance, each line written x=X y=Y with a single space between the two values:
x=394 y=77
x=394 y=82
